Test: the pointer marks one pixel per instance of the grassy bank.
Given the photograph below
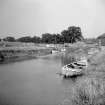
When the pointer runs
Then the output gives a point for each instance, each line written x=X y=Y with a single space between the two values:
x=22 y=51
x=89 y=91
x=90 y=88
x=80 y=49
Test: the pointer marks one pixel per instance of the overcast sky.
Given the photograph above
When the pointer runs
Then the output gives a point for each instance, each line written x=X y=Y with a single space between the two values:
x=34 y=17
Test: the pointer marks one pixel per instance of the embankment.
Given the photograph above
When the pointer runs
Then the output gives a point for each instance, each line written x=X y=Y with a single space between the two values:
x=11 y=54
x=90 y=88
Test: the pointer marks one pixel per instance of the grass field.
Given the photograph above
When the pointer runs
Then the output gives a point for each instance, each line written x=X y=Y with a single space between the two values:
x=22 y=51
x=90 y=89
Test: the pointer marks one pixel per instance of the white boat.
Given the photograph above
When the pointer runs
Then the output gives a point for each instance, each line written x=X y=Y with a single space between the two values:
x=82 y=62
x=63 y=50
x=54 y=51
x=71 y=70
x=74 y=69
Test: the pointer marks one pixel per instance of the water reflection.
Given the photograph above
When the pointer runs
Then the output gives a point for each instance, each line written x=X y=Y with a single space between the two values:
x=62 y=57
x=65 y=59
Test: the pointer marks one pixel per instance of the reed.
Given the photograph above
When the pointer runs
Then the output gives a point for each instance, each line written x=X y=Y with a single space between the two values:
x=90 y=91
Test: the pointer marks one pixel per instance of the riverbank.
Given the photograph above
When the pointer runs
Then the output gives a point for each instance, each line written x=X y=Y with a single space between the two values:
x=10 y=52
x=90 y=88
x=19 y=53
x=80 y=49
x=87 y=90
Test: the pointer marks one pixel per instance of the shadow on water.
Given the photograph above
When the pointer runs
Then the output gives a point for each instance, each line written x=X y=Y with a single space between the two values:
x=65 y=59
x=74 y=77
x=1 y=57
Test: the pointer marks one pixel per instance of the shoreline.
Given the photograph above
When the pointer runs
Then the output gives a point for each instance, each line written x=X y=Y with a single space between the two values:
x=15 y=55
x=21 y=53
x=20 y=59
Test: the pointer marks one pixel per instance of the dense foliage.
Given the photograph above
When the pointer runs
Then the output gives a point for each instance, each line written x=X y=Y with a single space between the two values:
x=9 y=39
x=102 y=39
x=71 y=35
x=101 y=36
x=25 y=39
x=52 y=38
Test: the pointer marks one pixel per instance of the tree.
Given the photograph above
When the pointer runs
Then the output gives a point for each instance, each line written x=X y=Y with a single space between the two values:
x=57 y=38
x=47 y=38
x=101 y=36
x=9 y=39
x=72 y=34
x=52 y=38
x=36 y=39
x=26 y=39
x=101 y=39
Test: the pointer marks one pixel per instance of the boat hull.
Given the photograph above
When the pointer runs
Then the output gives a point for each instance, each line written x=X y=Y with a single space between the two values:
x=70 y=73
x=75 y=68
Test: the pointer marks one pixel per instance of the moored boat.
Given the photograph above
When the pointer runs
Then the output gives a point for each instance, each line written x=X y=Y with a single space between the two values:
x=54 y=51
x=74 y=69
x=83 y=62
x=71 y=70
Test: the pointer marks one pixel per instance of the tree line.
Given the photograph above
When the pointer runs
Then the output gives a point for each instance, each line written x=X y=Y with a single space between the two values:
x=70 y=35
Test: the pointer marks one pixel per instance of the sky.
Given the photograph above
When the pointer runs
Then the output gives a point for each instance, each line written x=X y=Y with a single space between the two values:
x=34 y=17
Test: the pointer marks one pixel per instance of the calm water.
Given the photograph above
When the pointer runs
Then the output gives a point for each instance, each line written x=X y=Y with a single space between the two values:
x=34 y=82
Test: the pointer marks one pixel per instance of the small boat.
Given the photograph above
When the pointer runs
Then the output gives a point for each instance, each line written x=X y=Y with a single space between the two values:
x=63 y=50
x=74 y=69
x=83 y=62
x=71 y=70
x=54 y=51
